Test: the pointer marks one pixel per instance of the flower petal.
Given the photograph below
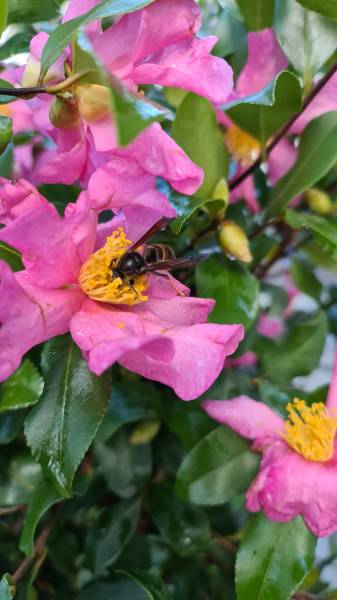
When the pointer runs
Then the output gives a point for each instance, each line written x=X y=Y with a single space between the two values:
x=325 y=101
x=17 y=197
x=288 y=485
x=251 y=419
x=280 y=160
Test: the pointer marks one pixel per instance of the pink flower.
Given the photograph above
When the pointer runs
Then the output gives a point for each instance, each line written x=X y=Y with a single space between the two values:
x=298 y=470
x=17 y=197
x=174 y=56
x=148 y=325
x=265 y=61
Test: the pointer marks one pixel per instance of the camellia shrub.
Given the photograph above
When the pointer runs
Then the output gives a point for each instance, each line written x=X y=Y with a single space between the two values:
x=168 y=299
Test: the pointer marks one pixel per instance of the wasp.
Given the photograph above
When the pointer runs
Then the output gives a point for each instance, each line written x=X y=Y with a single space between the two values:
x=153 y=258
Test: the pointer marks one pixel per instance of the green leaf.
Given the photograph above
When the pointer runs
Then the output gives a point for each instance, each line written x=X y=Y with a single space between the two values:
x=233 y=287
x=305 y=279
x=22 y=474
x=7 y=587
x=118 y=530
x=21 y=389
x=60 y=428
x=125 y=467
x=257 y=14
x=63 y=34
x=325 y=231
x=6 y=132
x=328 y=8
x=316 y=156
x=130 y=402
x=298 y=352
x=308 y=39
x=263 y=113
x=183 y=526
x=187 y=421
x=153 y=585
x=186 y=206
x=44 y=496
x=3 y=15
x=130 y=112
x=31 y=11
x=196 y=130
x=11 y=257
x=220 y=467
x=273 y=559
x=119 y=590
x=15 y=44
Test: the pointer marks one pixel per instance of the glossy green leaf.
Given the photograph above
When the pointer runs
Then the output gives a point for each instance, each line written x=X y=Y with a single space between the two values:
x=63 y=34
x=130 y=402
x=19 y=42
x=196 y=130
x=298 y=352
x=61 y=427
x=130 y=112
x=187 y=421
x=273 y=559
x=11 y=257
x=257 y=14
x=305 y=279
x=118 y=530
x=44 y=496
x=3 y=15
x=4 y=99
x=21 y=389
x=11 y=424
x=119 y=590
x=263 y=113
x=187 y=206
x=6 y=132
x=153 y=585
x=327 y=8
x=307 y=39
x=325 y=231
x=7 y=587
x=316 y=155
x=126 y=467
x=220 y=467
x=233 y=287
x=19 y=479
x=31 y=11
x=183 y=526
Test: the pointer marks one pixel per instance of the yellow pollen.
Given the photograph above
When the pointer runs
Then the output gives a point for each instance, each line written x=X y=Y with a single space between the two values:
x=242 y=146
x=97 y=278
x=310 y=430
x=5 y=110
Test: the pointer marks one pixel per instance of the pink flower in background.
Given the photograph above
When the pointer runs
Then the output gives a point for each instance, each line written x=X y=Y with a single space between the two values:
x=265 y=61
x=298 y=470
x=174 y=56
x=149 y=326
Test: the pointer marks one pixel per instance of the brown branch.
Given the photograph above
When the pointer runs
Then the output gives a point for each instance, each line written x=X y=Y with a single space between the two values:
x=288 y=235
x=11 y=509
x=281 y=133
x=27 y=562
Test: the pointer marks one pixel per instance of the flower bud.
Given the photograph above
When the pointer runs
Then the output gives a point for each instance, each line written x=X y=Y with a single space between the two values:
x=234 y=241
x=94 y=101
x=319 y=201
x=64 y=114
x=145 y=432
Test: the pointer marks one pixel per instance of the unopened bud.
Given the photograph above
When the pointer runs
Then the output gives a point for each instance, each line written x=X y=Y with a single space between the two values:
x=234 y=241
x=220 y=191
x=94 y=101
x=145 y=432
x=64 y=114
x=319 y=201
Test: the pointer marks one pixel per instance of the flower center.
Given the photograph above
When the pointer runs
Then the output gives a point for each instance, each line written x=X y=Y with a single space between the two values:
x=310 y=430
x=98 y=280
x=5 y=110
x=242 y=146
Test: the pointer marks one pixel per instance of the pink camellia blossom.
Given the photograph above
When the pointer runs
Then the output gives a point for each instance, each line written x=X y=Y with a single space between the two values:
x=265 y=61
x=298 y=470
x=17 y=197
x=131 y=52
x=148 y=323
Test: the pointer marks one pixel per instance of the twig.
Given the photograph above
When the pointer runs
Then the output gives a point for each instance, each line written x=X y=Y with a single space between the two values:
x=281 y=133
x=11 y=509
x=27 y=562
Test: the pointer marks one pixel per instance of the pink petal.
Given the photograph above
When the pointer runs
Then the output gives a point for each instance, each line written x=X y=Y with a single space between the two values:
x=104 y=133
x=199 y=356
x=188 y=65
x=288 y=485
x=280 y=160
x=37 y=45
x=246 y=191
x=265 y=60
x=247 y=359
x=247 y=417
x=176 y=310
x=131 y=39
x=29 y=315
x=17 y=197
x=332 y=393
x=63 y=166
x=53 y=248
x=325 y=101
x=271 y=327
x=77 y=8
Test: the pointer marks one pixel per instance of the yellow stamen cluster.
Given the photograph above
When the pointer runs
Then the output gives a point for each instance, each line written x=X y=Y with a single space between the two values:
x=310 y=430
x=242 y=146
x=97 y=278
